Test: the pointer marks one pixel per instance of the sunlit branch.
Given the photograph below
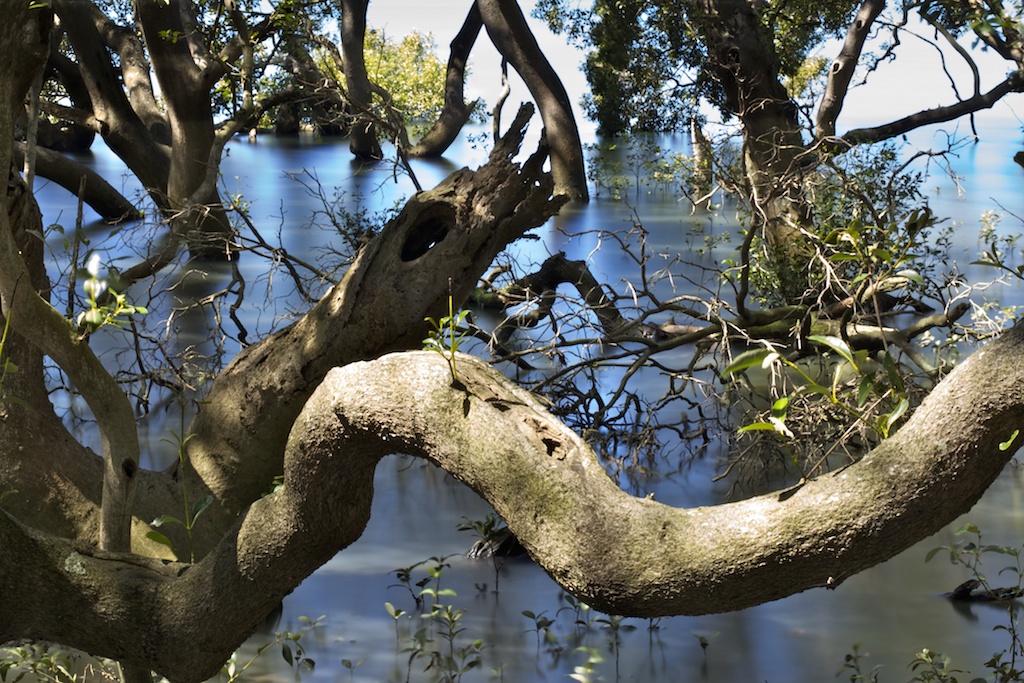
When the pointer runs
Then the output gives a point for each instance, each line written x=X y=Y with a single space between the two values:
x=842 y=69
x=1014 y=83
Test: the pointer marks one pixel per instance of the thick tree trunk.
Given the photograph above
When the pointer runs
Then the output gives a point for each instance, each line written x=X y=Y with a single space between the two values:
x=240 y=434
x=328 y=102
x=743 y=60
x=33 y=318
x=362 y=134
x=195 y=211
x=456 y=111
x=621 y=554
x=511 y=35
x=128 y=134
x=452 y=231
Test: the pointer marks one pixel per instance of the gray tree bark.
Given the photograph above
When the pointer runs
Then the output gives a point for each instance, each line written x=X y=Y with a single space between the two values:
x=621 y=554
x=742 y=57
x=454 y=230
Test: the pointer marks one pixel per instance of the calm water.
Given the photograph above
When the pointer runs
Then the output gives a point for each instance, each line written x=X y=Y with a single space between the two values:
x=892 y=611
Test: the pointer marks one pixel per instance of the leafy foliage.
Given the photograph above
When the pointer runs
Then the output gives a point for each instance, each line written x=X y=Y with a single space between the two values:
x=410 y=71
x=106 y=305
x=646 y=62
x=293 y=651
x=192 y=511
x=48 y=663
x=446 y=337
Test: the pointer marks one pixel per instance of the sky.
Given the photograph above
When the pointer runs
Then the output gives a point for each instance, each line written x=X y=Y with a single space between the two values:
x=443 y=20
x=912 y=82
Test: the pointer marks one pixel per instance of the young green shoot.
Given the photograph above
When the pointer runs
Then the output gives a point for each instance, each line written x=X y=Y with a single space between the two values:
x=445 y=337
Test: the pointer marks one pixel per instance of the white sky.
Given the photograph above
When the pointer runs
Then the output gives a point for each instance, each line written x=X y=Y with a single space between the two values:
x=912 y=82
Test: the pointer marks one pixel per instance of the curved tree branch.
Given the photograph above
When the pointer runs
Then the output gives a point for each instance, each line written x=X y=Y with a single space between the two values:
x=456 y=110
x=624 y=555
x=542 y=284
x=512 y=37
x=37 y=321
x=633 y=556
x=110 y=204
x=136 y=138
x=455 y=229
x=1013 y=83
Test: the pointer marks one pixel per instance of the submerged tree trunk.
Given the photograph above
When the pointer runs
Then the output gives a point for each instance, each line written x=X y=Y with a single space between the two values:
x=456 y=111
x=511 y=35
x=137 y=134
x=110 y=204
x=196 y=212
x=363 y=133
x=743 y=60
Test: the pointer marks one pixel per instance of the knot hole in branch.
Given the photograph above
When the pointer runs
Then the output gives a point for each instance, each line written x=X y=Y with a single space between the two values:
x=428 y=231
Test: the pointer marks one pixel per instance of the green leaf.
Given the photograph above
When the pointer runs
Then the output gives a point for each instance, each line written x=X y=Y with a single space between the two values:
x=15 y=401
x=201 y=505
x=867 y=384
x=912 y=275
x=896 y=414
x=757 y=427
x=843 y=257
x=968 y=529
x=154 y=535
x=779 y=407
x=747 y=359
x=164 y=519
x=837 y=345
x=286 y=652
x=1005 y=445
x=816 y=388
x=93 y=317
x=895 y=378
x=933 y=552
